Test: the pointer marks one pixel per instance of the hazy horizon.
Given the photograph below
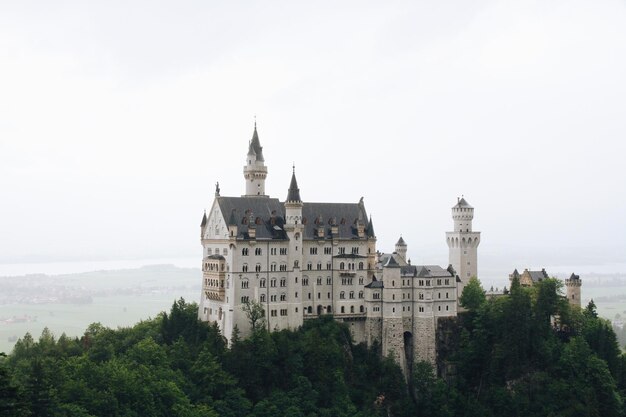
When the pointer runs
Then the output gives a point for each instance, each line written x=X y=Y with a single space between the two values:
x=117 y=119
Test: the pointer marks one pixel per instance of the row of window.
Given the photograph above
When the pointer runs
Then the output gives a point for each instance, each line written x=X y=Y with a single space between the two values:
x=274 y=298
x=213 y=266
x=283 y=251
x=209 y=282
x=421 y=282
x=342 y=266
x=329 y=251
x=209 y=251
x=257 y=268
x=259 y=251
x=283 y=282
x=329 y=281
x=283 y=312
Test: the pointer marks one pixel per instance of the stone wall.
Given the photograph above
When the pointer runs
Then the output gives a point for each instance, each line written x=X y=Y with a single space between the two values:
x=373 y=330
x=357 y=330
x=393 y=341
x=424 y=339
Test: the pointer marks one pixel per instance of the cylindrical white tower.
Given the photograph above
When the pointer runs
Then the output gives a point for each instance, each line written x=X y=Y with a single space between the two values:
x=463 y=244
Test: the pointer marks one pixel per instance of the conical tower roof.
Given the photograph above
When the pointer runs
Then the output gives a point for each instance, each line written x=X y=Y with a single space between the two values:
x=294 y=192
x=370 y=228
x=255 y=147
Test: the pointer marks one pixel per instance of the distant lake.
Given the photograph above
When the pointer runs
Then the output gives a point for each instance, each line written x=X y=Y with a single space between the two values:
x=76 y=267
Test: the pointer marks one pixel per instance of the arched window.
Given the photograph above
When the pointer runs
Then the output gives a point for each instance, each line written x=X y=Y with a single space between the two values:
x=342 y=295
x=262 y=298
x=360 y=294
x=342 y=265
x=351 y=294
x=262 y=283
x=351 y=309
x=360 y=265
x=244 y=251
x=362 y=309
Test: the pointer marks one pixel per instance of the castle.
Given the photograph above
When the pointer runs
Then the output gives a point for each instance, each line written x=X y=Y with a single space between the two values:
x=300 y=260
x=529 y=278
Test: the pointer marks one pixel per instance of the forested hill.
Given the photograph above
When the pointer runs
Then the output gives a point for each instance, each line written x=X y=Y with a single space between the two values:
x=508 y=359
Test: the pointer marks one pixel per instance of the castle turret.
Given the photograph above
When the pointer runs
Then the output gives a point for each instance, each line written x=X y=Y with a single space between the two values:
x=255 y=170
x=463 y=244
x=401 y=248
x=293 y=203
x=573 y=284
x=293 y=224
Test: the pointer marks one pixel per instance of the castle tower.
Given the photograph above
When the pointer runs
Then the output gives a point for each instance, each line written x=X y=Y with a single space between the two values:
x=392 y=323
x=573 y=284
x=401 y=248
x=463 y=244
x=255 y=170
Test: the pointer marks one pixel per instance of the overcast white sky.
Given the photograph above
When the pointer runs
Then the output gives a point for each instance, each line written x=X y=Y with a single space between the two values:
x=117 y=118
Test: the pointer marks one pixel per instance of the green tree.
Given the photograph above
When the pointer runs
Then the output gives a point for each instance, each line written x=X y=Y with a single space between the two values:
x=473 y=295
x=255 y=313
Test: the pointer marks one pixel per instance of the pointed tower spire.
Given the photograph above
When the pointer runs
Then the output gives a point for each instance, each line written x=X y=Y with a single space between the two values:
x=255 y=170
x=370 y=228
x=294 y=192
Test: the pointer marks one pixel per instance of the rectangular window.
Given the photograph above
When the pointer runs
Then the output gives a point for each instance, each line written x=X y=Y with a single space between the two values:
x=328 y=251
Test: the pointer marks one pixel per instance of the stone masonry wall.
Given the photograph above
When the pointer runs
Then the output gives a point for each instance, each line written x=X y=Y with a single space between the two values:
x=424 y=339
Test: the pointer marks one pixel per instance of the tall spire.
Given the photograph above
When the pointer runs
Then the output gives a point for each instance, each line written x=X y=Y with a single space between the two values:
x=255 y=170
x=255 y=147
x=370 y=228
x=294 y=191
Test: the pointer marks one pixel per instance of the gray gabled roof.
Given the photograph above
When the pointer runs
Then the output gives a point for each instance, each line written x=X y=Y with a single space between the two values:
x=375 y=284
x=391 y=263
x=270 y=212
x=400 y=242
x=345 y=216
x=538 y=275
x=432 y=271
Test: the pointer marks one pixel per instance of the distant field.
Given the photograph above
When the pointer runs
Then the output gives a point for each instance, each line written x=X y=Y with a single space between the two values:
x=119 y=298
x=124 y=297
x=609 y=300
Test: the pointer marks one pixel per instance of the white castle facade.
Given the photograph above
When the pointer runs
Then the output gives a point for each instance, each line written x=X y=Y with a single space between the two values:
x=300 y=260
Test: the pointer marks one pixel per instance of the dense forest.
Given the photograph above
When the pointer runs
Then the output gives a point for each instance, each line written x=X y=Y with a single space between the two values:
x=525 y=354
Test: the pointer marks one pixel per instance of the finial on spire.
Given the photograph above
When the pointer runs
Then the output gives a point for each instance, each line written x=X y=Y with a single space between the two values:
x=293 y=166
x=217 y=189
x=255 y=122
